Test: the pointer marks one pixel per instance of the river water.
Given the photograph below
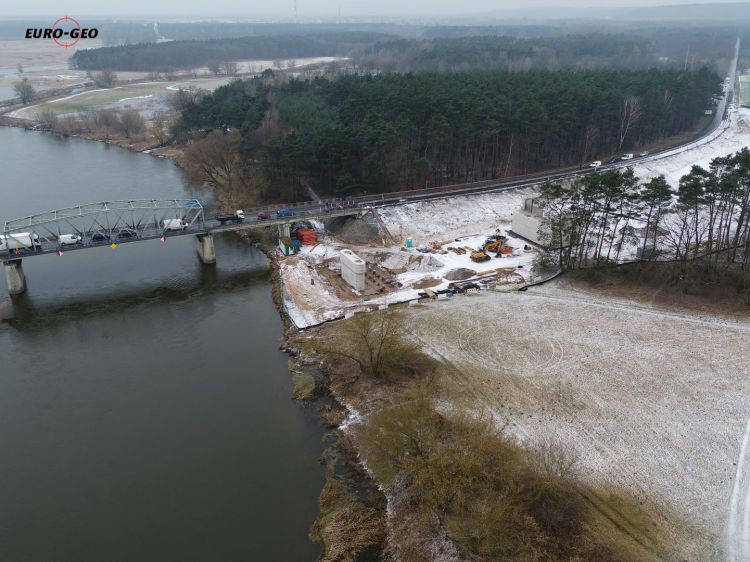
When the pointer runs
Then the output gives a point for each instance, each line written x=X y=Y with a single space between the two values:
x=145 y=410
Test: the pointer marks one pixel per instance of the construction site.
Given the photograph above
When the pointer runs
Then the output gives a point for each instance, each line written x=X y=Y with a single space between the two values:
x=332 y=270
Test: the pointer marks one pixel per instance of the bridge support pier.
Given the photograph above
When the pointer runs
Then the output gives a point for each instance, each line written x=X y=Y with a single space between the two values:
x=285 y=229
x=14 y=277
x=205 y=246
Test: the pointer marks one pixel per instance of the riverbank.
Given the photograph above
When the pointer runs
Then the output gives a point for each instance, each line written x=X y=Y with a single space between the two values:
x=142 y=145
x=351 y=520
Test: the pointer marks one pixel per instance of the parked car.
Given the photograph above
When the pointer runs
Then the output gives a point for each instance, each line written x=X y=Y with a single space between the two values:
x=100 y=236
x=595 y=164
x=126 y=234
x=284 y=213
x=613 y=160
x=644 y=153
x=69 y=239
x=262 y=215
x=628 y=156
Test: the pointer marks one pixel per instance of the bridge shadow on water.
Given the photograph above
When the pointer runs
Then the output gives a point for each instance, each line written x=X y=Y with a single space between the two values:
x=25 y=314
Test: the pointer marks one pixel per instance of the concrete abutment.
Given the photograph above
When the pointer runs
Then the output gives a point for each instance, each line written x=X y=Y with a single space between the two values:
x=15 y=277
x=205 y=247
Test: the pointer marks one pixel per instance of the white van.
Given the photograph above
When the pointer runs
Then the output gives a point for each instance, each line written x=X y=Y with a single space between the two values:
x=627 y=157
x=595 y=164
x=174 y=224
x=69 y=239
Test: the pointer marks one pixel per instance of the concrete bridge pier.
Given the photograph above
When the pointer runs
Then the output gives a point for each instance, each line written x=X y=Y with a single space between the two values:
x=285 y=229
x=15 y=277
x=205 y=246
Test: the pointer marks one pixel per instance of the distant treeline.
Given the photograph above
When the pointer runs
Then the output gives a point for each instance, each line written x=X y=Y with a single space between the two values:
x=191 y=54
x=509 y=53
x=125 y=33
x=650 y=46
x=216 y=30
x=386 y=132
x=497 y=48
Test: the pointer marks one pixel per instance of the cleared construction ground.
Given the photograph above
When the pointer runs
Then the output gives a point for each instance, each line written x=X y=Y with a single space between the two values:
x=651 y=402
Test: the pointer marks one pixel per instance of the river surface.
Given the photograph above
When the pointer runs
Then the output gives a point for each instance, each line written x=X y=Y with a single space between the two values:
x=145 y=410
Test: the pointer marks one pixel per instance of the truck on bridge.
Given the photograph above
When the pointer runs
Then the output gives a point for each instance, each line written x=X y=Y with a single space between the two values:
x=237 y=216
x=19 y=241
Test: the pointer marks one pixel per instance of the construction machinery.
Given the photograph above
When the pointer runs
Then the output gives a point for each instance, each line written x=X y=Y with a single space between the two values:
x=479 y=256
x=496 y=245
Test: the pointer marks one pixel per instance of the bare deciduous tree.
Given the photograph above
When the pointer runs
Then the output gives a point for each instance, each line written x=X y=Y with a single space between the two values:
x=24 y=91
x=160 y=128
x=131 y=123
x=47 y=120
x=104 y=79
x=377 y=343
x=229 y=68
x=632 y=111
x=184 y=97
x=215 y=161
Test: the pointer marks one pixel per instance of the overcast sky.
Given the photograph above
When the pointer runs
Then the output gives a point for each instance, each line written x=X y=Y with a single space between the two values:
x=305 y=8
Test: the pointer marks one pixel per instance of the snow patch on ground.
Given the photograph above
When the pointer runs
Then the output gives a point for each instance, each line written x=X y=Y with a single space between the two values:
x=728 y=139
x=445 y=219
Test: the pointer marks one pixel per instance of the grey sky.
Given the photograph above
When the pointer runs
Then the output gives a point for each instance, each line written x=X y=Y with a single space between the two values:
x=305 y=8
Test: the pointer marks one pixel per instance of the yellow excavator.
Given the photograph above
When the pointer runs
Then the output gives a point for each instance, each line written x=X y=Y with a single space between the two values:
x=479 y=256
x=494 y=244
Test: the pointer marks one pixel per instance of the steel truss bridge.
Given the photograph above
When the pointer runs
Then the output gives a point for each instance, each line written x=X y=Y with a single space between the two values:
x=97 y=224
x=120 y=222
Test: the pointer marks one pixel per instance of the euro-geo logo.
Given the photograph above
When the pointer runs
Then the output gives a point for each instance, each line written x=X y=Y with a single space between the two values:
x=66 y=32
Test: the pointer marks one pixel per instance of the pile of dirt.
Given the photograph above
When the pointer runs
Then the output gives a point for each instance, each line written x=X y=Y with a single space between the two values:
x=395 y=263
x=460 y=274
x=352 y=230
x=427 y=282
x=424 y=264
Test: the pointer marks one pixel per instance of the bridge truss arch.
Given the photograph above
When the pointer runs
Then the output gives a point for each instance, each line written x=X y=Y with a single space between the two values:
x=99 y=224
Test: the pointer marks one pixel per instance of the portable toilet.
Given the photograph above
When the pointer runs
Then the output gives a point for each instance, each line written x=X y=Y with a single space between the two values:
x=285 y=244
x=409 y=243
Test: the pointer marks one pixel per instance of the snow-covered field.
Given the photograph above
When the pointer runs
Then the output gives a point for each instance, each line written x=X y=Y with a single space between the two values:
x=652 y=402
x=727 y=140
x=444 y=219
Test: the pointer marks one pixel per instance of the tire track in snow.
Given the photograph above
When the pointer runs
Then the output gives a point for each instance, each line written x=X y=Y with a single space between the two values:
x=738 y=524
